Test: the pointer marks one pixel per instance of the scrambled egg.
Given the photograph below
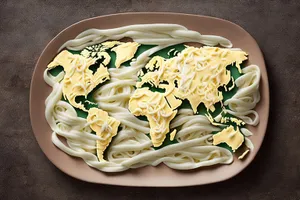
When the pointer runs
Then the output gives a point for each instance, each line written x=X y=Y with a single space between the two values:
x=154 y=106
x=125 y=52
x=105 y=127
x=234 y=138
x=194 y=74
x=79 y=80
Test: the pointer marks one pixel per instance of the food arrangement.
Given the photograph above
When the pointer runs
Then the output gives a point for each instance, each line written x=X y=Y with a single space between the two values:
x=155 y=99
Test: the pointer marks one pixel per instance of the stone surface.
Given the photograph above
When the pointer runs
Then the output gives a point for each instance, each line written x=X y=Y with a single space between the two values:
x=27 y=26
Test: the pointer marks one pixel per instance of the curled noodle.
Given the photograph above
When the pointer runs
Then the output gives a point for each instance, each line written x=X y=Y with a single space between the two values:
x=247 y=96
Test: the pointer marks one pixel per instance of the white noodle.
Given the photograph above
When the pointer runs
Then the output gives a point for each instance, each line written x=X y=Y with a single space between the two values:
x=246 y=98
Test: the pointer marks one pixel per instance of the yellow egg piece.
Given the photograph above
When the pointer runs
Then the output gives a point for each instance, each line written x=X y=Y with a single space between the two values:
x=234 y=138
x=172 y=135
x=105 y=127
x=195 y=74
x=110 y=44
x=125 y=51
x=154 y=106
x=169 y=95
x=79 y=80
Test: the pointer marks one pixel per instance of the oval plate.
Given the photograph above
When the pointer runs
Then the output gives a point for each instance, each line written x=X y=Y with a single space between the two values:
x=161 y=175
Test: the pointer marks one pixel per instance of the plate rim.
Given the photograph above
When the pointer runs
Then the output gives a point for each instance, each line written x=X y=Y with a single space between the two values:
x=34 y=74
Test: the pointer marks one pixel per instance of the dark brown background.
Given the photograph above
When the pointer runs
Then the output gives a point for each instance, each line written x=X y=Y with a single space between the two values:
x=27 y=26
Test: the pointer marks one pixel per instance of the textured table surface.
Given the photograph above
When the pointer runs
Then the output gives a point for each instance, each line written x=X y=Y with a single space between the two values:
x=27 y=26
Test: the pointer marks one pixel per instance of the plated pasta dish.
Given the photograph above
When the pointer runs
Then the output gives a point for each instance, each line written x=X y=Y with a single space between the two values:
x=148 y=94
